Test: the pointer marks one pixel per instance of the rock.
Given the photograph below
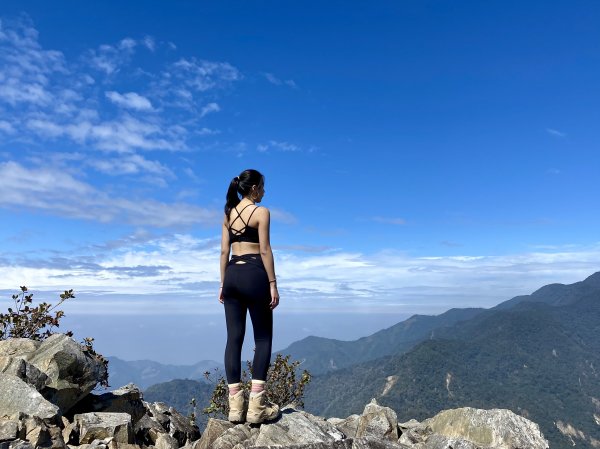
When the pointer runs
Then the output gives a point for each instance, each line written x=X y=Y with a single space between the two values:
x=17 y=396
x=437 y=441
x=239 y=434
x=73 y=372
x=18 y=347
x=379 y=422
x=166 y=441
x=297 y=427
x=214 y=429
x=35 y=430
x=23 y=370
x=413 y=432
x=347 y=426
x=19 y=444
x=177 y=425
x=9 y=430
x=146 y=431
x=93 y=426
x=497 y=428
x=127 y=399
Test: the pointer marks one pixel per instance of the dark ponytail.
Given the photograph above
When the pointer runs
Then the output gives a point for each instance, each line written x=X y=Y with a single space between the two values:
x=241 y=185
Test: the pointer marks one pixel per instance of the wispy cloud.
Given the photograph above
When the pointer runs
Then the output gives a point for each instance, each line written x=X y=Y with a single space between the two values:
x=278 y=146
x=389 y=220
x=210 y=107
x=279 y=82
x=58 y=193
x=186 y=268
x=555 y=133
x=130 y=100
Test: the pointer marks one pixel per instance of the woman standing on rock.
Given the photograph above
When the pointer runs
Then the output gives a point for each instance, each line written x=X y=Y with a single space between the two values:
x=248 y=283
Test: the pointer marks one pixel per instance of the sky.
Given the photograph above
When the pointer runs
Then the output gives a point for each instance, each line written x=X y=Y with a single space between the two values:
x=418 y=156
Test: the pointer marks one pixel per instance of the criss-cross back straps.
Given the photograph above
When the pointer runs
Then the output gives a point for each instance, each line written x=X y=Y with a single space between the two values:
x=239 y=215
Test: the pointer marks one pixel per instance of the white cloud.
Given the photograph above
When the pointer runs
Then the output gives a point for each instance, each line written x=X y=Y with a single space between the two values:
x=278 y=82
x=56 y=192
x=277 y=146
x=282 y=216
x=149 y=43
x=210 y=107
x=186 y=268
x=129 y=165
x=555 y=133
x=202 y=75
x=6 y=127
x=130 y=100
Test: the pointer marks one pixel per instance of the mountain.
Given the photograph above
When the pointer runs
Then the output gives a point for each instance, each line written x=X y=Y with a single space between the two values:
x=538 y=356
x=144 y=373
x=320 y=355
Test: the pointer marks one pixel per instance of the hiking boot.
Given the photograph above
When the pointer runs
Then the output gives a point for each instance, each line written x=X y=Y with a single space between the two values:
x=260 y=410
x=237 y=407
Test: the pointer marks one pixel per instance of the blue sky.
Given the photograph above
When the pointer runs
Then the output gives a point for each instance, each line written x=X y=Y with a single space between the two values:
x=419 y=155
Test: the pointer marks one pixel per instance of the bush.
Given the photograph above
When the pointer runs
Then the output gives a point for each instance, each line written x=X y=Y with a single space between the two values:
x=283 y=385
x=37 y=323
x=26 y=321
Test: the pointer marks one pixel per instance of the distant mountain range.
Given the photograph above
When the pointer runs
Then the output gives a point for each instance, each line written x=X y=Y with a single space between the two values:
x=538 y=355
x=144 y=373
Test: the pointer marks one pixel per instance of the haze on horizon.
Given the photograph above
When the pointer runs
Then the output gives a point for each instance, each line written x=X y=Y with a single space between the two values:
x=418 y=156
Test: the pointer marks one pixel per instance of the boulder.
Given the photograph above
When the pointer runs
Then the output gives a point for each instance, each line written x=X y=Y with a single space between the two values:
x=127 y=399
x=214 y=429
x=9 y=430
x=146 y=430
x=437 y=441
x=497 y=428
x=297 y=427
x=19 y=444
x=24 y=370
x=18 y=347
x=347 y=426
x=16 y=397
x=98 y=426
x=378 y=422
x=413 y=432
x=176 y=425
x=166 y=441
x=73 y=372
x=242 y=435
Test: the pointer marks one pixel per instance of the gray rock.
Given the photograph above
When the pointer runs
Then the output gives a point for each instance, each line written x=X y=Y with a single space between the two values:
x=297 y=427
x=378 y=422
x=497 y=428
x=214 y=429
x=20 y=444
x=98 y=426
x=16 y=397
x=9 y=430
x=177 y=425
x=73 y=372
x=347 y=426
x=146 y=431
x=237 y=435
x=413 y=432
x=127 y=399
x=350 y=443
x=18 y=347
x=437 y=441
x=24 y=370
x=166 y=441
x=35 y=430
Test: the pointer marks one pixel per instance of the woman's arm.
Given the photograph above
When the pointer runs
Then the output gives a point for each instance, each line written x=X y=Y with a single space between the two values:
x=225 y=250
x=266 y=254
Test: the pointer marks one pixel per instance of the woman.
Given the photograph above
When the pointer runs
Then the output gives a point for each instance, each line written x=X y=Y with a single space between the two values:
x=248 y=283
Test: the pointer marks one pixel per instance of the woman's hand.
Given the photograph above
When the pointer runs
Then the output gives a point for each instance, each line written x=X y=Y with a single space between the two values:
x=274 y=295
x=221 y=298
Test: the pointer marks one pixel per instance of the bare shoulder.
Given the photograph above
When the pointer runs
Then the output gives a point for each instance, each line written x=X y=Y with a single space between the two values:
x=262 y=214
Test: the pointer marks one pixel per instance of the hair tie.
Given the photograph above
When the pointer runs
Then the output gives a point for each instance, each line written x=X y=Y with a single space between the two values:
x=236 y=179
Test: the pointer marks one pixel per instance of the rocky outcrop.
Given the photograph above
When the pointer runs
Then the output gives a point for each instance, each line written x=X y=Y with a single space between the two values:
x=45 y=402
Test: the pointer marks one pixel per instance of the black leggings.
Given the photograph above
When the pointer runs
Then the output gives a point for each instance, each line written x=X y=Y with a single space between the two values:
x=246 y=288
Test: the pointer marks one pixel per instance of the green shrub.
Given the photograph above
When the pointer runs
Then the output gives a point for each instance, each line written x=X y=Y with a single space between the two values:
x=284 y=386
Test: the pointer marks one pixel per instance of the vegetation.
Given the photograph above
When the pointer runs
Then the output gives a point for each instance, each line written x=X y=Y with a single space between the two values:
x=38 y=322
x=285 y=385
x=26 y=321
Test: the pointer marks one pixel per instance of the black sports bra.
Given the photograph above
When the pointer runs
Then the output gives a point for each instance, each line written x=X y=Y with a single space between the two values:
x=247 y=233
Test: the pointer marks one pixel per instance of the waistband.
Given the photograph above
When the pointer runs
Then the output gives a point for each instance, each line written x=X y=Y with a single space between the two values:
x=253 y=258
